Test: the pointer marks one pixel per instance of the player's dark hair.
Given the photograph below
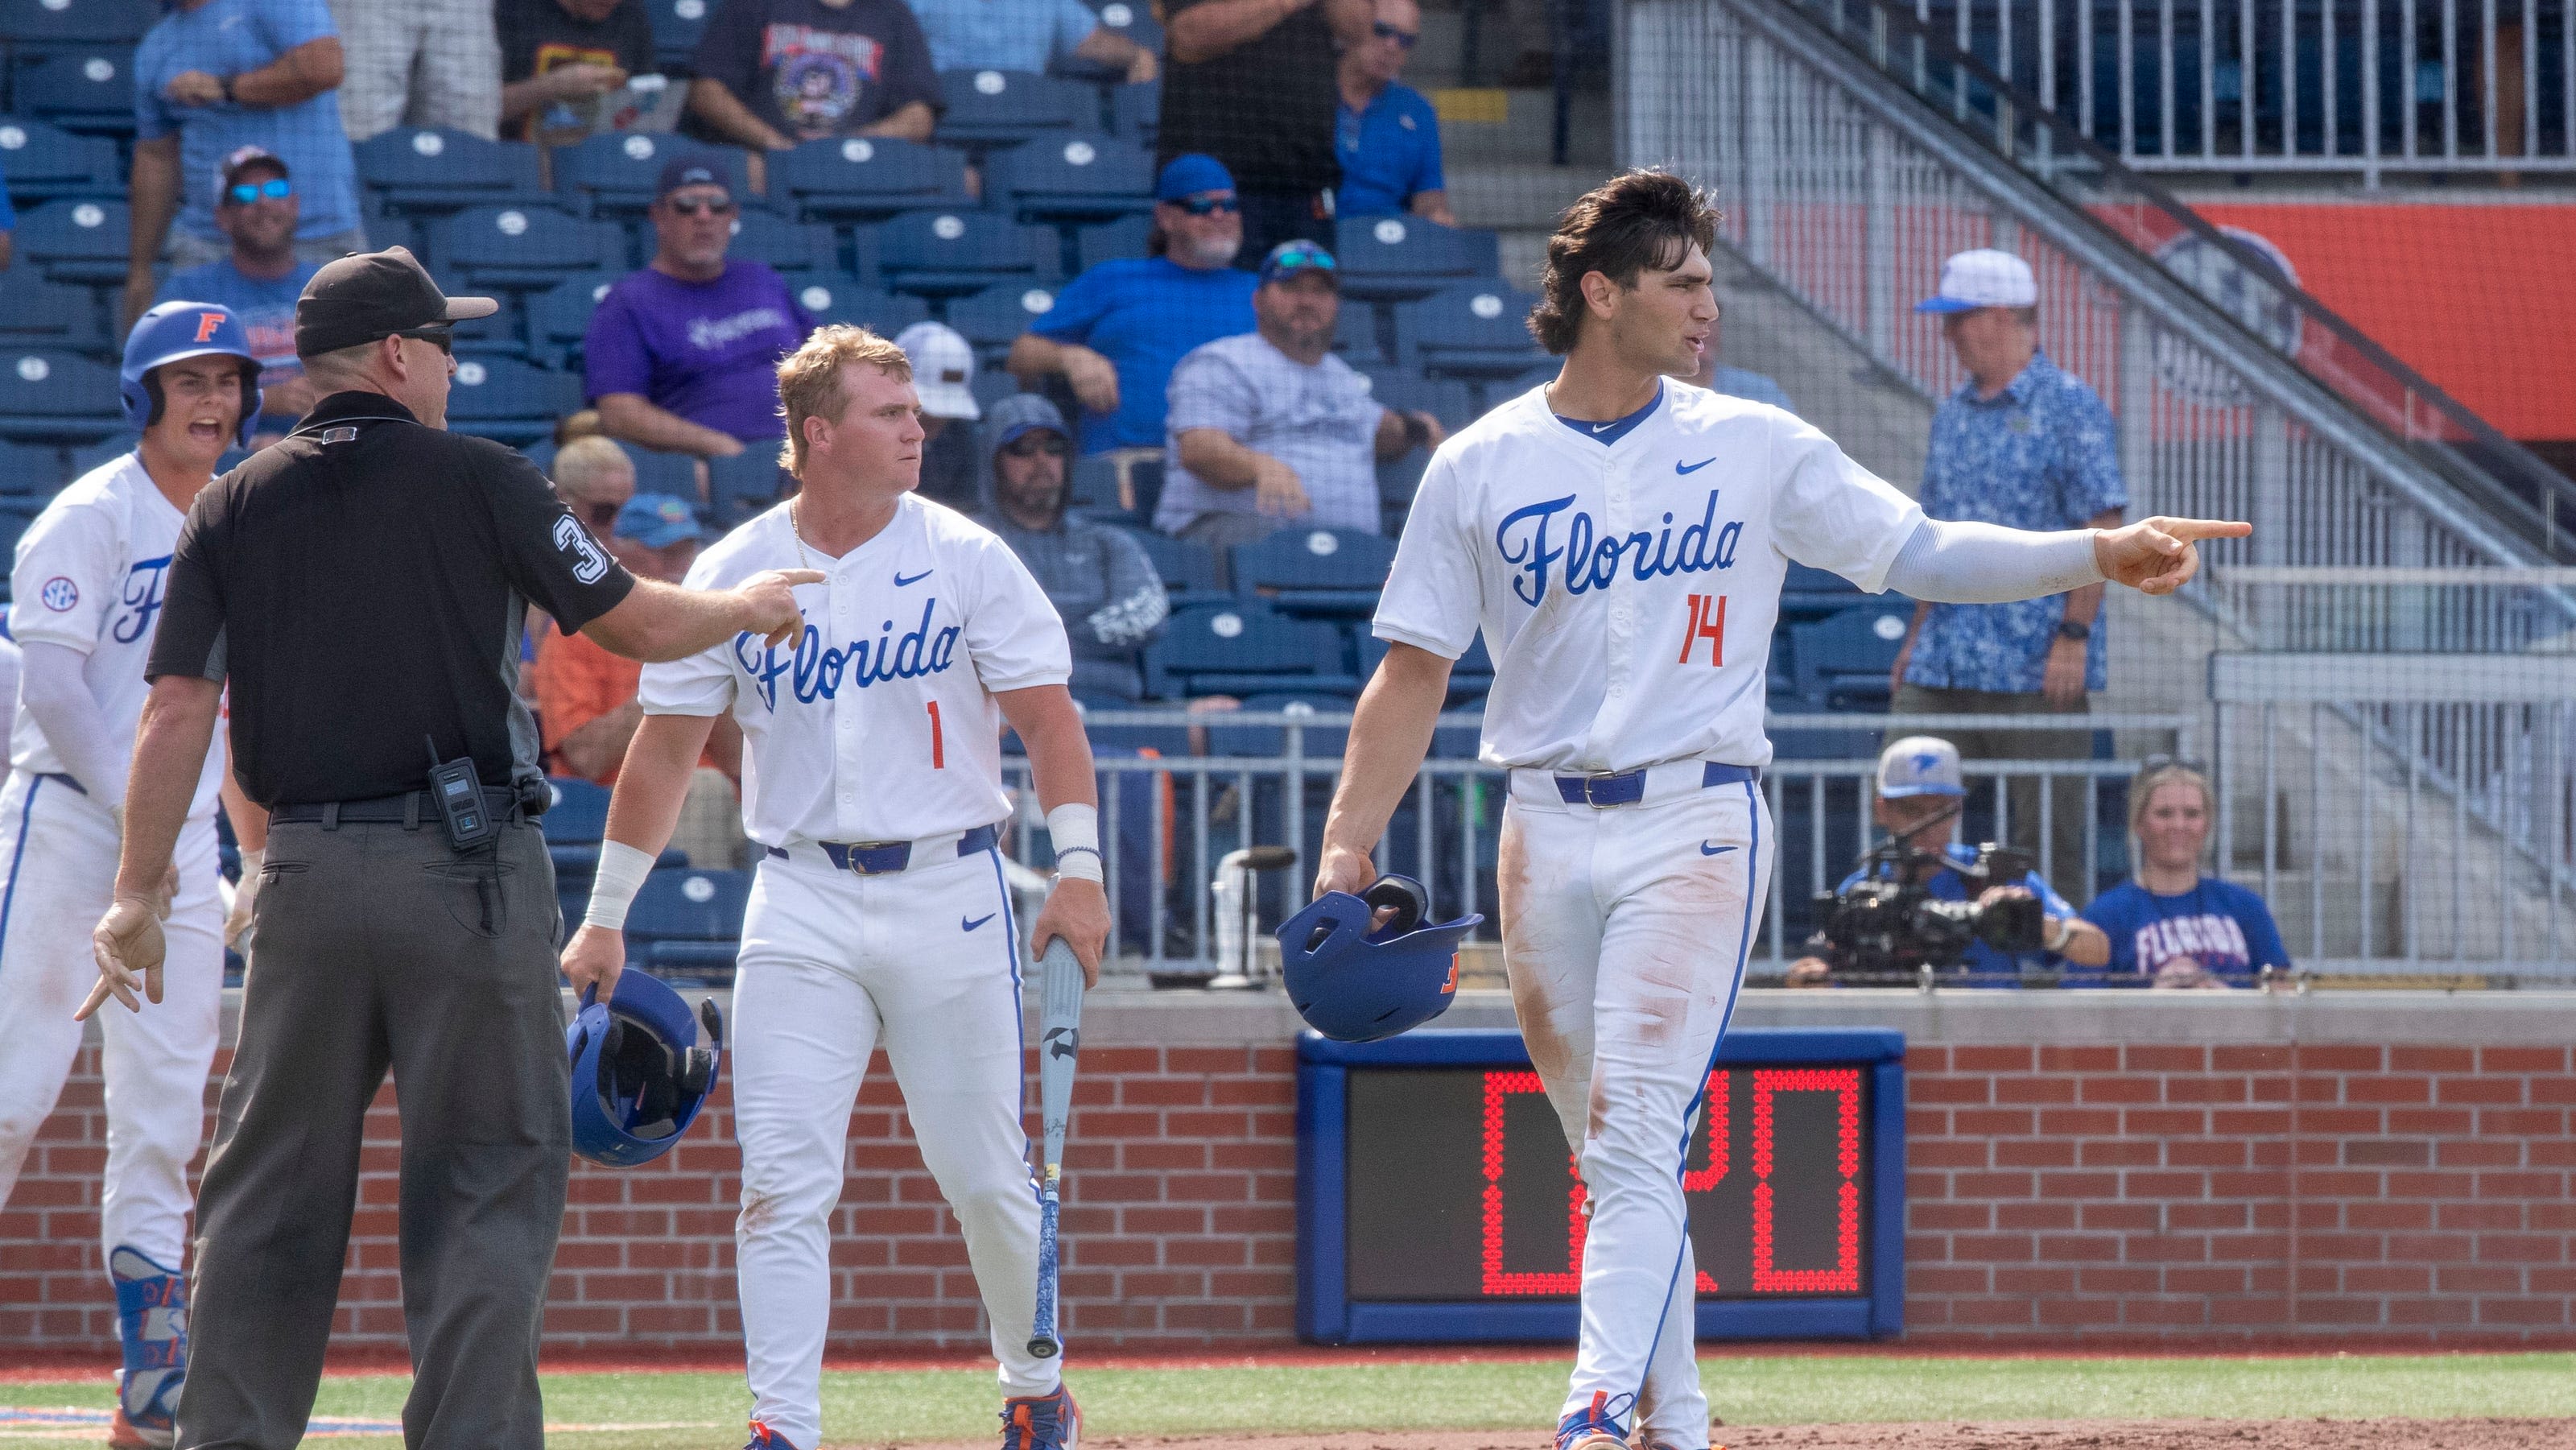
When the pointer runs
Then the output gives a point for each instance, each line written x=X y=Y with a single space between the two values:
x=1634 y=222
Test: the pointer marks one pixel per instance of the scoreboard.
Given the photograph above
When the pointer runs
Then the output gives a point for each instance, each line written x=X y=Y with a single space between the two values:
x=1437 y=1198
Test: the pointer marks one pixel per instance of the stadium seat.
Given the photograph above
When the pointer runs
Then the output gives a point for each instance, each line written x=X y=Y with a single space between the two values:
x=1446 y=399
x=1477 y=329
x=558 y=316
x=1188 y=570
x=984 y=109
x=524 y=247
x=677 y=24
x=951 y=253
x=87 y=88
x=993 y=319
x=435 y=171
x=613 y=175
x=1136 y=111
x=847 y=299
x=575 y=823
x=43 y=27
x=1119 y=17
x=747 y=484
x=1842 y=662
x=760 y=235
x=37 y=313
x=1268 y=742
x=506 y=399
x=498 y=335
x=44 y=162
x=1164 y=740
x=1305 y=571
x=688 y=922
x=991 y=386
x=31 y=469
x=1811 y=594
x=51 y=396
x=1085 y=177
x=77 y=241
x=1110 y=242
x=1244 y=647
x=88 y=456
x=866 y=179
x=1355 y=336
x=1470 y=676
x=1397 y=259
x=15 y=515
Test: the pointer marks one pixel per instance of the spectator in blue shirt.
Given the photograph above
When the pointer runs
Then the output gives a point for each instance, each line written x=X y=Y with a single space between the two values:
x=1385 y=134
x=2172 y=925
x=1920 y=791
x=1116 y=332
x=256 y=207
x=2027 y=446
x=211 y=77
x=1025 y=35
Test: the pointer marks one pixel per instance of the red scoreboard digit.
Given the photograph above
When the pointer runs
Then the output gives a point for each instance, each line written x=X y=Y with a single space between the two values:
x=1440 y=1200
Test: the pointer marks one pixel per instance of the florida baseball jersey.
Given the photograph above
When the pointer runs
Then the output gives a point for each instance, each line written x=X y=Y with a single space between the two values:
x=1627 y=593
x=90 y=576
x=878 y=722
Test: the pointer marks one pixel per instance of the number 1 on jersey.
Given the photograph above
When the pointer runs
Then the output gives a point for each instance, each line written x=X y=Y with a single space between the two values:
x=938 y=750
x=1707 y=622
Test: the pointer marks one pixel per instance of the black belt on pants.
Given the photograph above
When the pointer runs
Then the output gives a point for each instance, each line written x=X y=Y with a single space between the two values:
x=409 y=810
x=881 y=858
x=1629 y=786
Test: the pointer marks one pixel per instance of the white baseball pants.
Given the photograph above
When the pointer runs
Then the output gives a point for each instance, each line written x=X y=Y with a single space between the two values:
x=1625 y=930
x=924 y=963
x=57 y=874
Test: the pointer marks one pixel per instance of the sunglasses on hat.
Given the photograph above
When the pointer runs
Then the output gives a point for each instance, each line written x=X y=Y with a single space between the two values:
x=1404 y=39
x=276 y=188
x=1301 y=258
x=1202 y=205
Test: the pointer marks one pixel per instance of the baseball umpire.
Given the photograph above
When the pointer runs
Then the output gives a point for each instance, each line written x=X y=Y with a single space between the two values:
x=360 y=588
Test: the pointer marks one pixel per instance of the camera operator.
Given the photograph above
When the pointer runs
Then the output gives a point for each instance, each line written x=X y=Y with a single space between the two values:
x=1920 y=791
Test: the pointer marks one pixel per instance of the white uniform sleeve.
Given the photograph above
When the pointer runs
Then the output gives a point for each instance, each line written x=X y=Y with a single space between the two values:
x=1013 y=633
x=1431 y=596
x=1831 y=512
x=699 y=684
x=70 y=565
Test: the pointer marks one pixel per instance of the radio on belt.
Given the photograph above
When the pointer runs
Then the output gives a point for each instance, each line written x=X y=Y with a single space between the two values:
x=458 y=793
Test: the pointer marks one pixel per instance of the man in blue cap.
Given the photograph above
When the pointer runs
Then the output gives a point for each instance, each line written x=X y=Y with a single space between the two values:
x=1115 y=333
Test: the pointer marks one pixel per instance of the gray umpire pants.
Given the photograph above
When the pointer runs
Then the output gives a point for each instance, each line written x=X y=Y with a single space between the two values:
x=377 y=947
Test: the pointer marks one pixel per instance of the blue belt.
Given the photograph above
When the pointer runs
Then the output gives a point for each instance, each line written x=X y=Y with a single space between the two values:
x=1629 y=786
x=884 y=858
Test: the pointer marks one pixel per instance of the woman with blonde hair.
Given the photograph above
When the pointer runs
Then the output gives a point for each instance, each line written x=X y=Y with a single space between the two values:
x=2172 y=923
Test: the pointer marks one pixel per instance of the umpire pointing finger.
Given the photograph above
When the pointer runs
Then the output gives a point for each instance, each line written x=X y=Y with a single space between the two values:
x=360 y=588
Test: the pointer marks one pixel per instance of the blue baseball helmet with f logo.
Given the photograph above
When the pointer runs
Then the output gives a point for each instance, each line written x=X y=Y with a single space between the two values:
x=174 y=332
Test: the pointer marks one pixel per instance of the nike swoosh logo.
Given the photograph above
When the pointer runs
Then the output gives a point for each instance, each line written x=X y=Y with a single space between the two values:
x=900 y=581
x=1605 y=427
x=965 y=925
x=1706 y=849
x=1680 y=467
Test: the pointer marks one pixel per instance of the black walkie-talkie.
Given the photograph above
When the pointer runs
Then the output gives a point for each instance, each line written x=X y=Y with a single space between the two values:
x=458 y=793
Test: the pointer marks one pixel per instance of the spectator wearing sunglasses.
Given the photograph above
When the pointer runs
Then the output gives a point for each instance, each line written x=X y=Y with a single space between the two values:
x=2172 y=925
x=683 y=355
x=1385 y=133
x=1115 y=333
x=594 y=477
x=1250 y=82
x=1270 y=428
x=256 y=207
x=1098 y=579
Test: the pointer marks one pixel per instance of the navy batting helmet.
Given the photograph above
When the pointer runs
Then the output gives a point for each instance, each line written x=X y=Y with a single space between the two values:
x=639 y=1074
x=175 y=331
x=1354 y=984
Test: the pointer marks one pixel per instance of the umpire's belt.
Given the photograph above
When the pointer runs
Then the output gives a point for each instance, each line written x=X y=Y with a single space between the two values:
x=410 y=810
x=883 y=858
x=1630 y=787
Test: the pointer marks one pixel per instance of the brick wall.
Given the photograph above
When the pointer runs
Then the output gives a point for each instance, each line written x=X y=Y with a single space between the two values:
x=2079 y=1167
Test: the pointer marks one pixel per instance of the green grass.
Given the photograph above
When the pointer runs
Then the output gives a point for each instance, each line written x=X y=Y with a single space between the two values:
x=881 y=1407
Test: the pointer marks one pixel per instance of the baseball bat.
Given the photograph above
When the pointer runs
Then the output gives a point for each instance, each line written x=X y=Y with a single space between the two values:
x=1059 y=1045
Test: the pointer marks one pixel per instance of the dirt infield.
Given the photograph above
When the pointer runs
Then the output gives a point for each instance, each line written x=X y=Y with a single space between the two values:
x=1917 y=1435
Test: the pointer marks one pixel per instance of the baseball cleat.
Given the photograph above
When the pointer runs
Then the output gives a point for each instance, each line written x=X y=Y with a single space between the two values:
x=1041 y=1422
x=765 y=1438
x=1593 y=1427
x=152 y=1324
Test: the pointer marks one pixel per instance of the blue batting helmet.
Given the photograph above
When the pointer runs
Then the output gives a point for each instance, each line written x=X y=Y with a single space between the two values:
x=639 y=1074
x=174 y=331
x=1354 y=984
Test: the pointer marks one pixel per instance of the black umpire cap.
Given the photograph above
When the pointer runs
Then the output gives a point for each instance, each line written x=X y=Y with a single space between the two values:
x=368 y=295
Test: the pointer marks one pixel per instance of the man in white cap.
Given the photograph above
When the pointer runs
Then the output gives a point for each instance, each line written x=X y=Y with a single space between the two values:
x=2026 y=445
x=1920 y=792
x=943 y=373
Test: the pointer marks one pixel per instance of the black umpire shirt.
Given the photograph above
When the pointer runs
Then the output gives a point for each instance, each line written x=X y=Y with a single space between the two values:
x=364 y=584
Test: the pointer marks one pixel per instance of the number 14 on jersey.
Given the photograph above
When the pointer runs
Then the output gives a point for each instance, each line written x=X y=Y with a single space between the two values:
x=1707 y=622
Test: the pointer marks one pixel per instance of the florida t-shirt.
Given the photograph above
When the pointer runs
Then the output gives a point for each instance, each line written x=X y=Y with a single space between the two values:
x=707 y=351
x=2218 y=926
x=1144 y=314
x=266 y=307
x=812 y=70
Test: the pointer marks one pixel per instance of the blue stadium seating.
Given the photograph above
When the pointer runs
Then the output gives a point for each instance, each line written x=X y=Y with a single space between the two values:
x=498 y=335
x=1136 y=112
x=1085 y=177
x=15 y=515
x=991 y=386
x=436 y=170
x=1306 y=571
x=1842 y=662
x=1397 y=259
x=89 y=456
x=36 y=313
x=575 y=823
x=1267 y=742
x=1188 y=570
x=1469 y=677
x=1355 y=336
x=1244 y=647
x=673 y=474
x=867 y=178
x=951 y=253
x=524 y=247
x=614 y=174
x=990 y=108
x=1164 y=740
x=558 y=316
x=746 y=484
x=688 y=922
x=765 y=236
x=993 y=318
x=88 y=88
x=1808 y=594
x=1110 y=241
x=77 y=241
x=51 y=396
x=1446 y=399
x=504 y=398
x=847 y=299
x=1133 y=22
x=43 y=27
x=44 y=161
x=1476 y=329
x=677 y=24
x=28 y=468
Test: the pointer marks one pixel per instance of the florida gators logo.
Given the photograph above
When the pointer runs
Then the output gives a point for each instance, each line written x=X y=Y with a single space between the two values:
x=1450 y=987
x=207 y=324
x=59 y=594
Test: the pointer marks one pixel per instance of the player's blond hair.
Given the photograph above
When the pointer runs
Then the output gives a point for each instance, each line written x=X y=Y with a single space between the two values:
x=809 y=379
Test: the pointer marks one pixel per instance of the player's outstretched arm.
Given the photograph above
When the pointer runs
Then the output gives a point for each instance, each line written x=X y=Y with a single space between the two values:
x=659 y=622
x=1077 y=910
x=1390 y=734
x=169 y=756
x=2158 y=555
x=642 y=813
x=1955 y=562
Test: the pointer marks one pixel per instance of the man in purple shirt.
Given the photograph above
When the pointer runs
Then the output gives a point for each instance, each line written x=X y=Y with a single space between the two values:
x=683 y=355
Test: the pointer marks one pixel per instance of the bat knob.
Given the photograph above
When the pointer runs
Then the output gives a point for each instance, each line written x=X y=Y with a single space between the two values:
x=1045 y=1348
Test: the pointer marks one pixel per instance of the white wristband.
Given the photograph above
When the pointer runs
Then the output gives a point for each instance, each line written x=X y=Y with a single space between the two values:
x=621 y=874
x=1075 y=832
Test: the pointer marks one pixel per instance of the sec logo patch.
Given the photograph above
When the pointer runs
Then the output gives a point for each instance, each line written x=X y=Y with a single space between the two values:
x=59 y=594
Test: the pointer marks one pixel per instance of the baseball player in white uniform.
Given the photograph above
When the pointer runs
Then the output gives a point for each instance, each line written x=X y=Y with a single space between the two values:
x=1621 y=541
x=86 y=594
x=872 y=786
